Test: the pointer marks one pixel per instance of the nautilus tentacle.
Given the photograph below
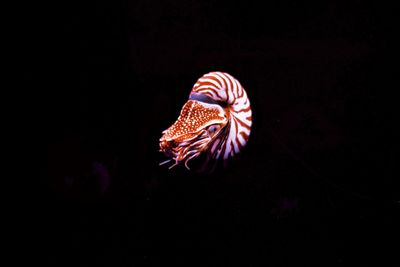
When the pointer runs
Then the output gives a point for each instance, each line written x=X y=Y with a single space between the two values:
x=216 y=120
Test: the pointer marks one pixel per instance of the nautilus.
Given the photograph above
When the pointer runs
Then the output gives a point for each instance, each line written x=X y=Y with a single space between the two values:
x=215 y=121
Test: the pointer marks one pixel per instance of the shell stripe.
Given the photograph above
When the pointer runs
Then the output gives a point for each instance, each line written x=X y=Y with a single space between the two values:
x=225 y=88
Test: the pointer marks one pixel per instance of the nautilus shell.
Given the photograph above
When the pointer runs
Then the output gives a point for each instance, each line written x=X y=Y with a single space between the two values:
x=215 y=121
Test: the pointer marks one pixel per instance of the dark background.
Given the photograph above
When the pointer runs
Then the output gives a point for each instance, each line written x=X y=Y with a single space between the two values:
x=315 y=184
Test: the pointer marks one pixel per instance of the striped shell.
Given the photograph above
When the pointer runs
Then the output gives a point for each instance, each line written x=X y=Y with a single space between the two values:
x=216 y=120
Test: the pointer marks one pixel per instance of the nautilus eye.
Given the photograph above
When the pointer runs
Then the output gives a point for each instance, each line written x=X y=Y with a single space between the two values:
x=215 y=121
x=213 y=128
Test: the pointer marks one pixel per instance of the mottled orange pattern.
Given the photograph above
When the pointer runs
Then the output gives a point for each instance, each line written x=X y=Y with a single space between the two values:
x=195 y=116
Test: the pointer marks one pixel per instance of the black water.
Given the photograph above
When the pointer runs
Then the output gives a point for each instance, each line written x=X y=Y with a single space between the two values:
x=314 y=186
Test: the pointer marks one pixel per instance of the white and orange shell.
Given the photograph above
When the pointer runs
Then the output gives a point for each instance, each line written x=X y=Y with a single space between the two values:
x=216 y=120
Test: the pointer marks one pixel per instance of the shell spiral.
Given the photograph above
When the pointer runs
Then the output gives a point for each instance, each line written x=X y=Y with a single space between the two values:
x=216 y=120
x=224 y=88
